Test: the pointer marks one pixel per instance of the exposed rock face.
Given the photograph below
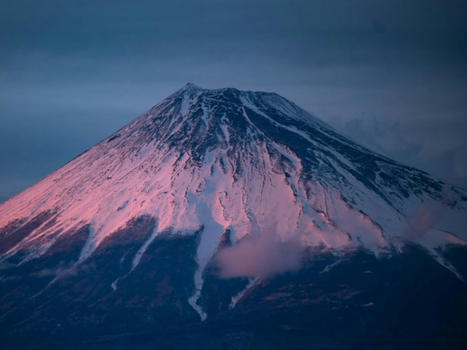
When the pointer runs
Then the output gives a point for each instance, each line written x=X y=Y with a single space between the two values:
x=131 y=235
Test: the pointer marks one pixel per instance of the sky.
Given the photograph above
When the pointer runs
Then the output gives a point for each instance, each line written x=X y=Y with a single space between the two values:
x=391 y=75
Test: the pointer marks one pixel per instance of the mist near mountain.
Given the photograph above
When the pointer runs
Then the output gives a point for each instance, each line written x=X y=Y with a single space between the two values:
x=260 y=255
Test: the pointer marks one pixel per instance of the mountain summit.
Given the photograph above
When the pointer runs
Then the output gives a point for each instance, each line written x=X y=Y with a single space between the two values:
x=208 y=170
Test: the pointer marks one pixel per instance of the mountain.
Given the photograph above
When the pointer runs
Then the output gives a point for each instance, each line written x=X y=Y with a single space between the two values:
x=218 y=209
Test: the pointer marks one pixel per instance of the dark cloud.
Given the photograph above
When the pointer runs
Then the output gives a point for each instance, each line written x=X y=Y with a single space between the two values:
x=71 y=72
x=437 y=146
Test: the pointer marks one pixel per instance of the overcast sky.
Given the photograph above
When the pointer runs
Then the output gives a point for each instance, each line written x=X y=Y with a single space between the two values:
x=392 y=75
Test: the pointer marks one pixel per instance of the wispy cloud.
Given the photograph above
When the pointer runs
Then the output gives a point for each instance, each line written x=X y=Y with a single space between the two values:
x=260 y=255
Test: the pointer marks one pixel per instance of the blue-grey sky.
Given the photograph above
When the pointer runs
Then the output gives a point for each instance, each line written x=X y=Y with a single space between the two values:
x=392 y=75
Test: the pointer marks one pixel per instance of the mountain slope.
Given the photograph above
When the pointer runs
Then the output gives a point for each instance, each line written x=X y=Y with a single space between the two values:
x=206 y=166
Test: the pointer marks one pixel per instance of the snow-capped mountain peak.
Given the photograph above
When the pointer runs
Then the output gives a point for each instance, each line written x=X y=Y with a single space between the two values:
x=225 y=160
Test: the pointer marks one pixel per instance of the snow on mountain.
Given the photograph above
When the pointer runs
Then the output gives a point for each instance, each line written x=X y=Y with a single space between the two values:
x=247 y=162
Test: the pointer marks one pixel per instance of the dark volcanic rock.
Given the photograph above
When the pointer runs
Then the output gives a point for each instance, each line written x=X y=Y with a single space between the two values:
x=353 y=302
